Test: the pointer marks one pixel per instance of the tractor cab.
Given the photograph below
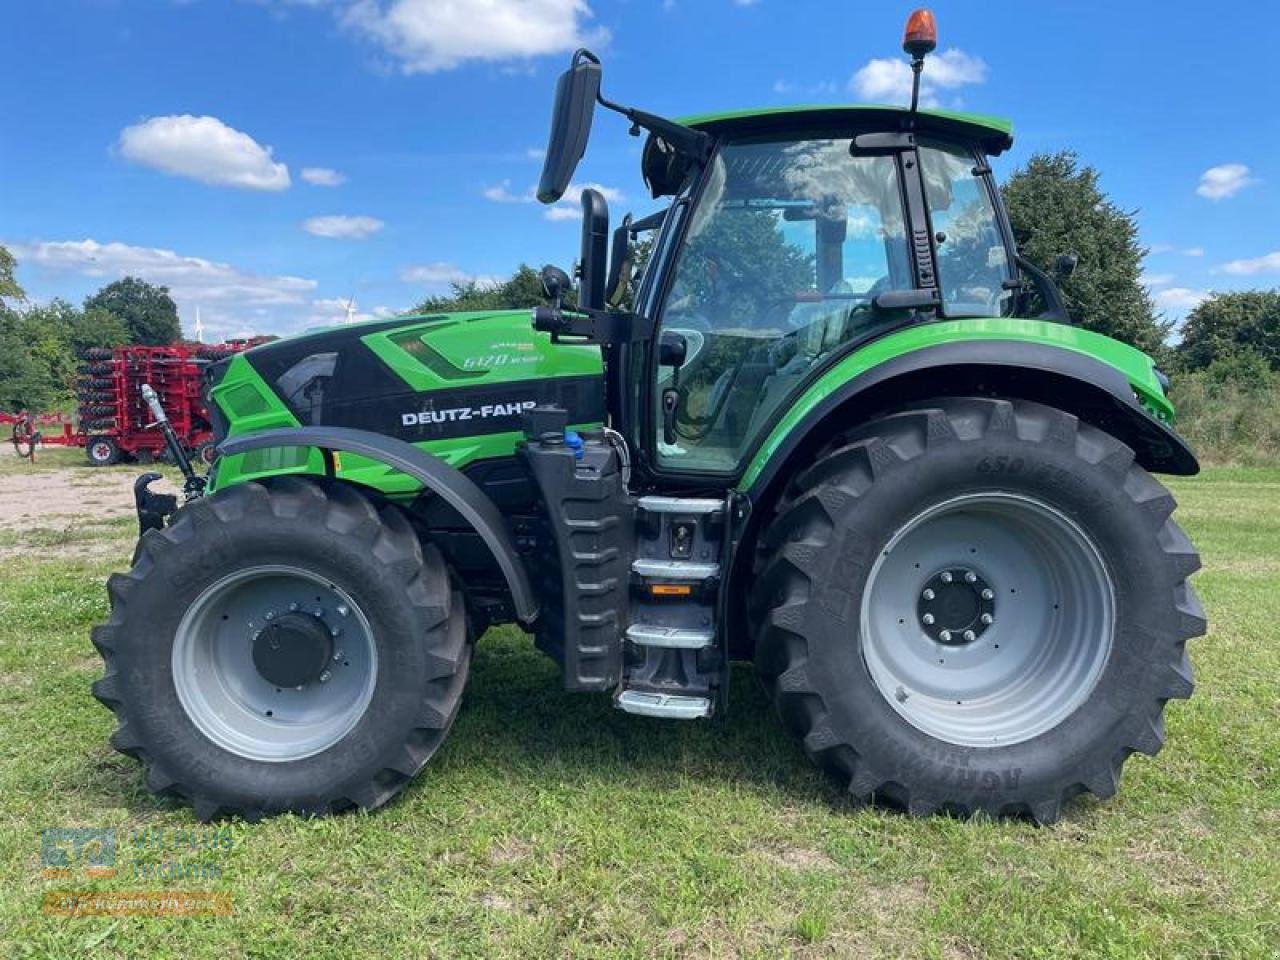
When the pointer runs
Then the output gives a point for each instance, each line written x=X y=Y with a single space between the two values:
x=794 y=236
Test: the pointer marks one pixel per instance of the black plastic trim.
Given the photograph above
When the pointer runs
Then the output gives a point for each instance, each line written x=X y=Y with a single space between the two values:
x=451 y=484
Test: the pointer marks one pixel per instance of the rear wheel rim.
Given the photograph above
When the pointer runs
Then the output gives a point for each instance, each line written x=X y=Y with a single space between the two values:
x=988 y=619
x=242 y=711
x=100 y=451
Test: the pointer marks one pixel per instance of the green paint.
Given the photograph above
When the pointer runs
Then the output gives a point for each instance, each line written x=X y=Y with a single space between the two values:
x=1134 y=364
x=478 y=349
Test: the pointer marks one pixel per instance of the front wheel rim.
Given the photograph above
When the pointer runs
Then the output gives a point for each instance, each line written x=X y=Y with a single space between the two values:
x=1014 y=656
x=228 y=698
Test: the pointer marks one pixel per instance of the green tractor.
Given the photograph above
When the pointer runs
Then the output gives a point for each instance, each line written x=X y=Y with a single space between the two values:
x=835 y=424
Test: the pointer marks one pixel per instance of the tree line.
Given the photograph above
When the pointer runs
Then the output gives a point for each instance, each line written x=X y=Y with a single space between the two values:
x=41 y=344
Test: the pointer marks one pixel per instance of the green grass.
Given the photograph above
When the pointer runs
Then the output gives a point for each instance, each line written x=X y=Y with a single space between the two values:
x=550 y=825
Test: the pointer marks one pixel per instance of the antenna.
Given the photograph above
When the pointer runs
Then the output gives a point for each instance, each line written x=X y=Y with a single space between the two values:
x=351 y=309
x=199 y=327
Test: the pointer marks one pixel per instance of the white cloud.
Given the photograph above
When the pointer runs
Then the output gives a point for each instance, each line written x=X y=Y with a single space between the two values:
x=536 y=153
x=885 y=80
x=501 y=193
x=204 y=149
x=425 y=36
x=1267 y=263
x=440 y=273
x=343 y=227
x=1157 y=279
x=1159 y=248
x=1224 y=180
x=569 y=207
x=1179 y=298
x=231 y=299
x=323 y=177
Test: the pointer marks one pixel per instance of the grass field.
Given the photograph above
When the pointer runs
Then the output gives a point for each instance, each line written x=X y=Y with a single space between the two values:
x=550 y=825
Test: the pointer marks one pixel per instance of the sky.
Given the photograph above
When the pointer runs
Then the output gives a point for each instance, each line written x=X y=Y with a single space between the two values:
x=269 y=160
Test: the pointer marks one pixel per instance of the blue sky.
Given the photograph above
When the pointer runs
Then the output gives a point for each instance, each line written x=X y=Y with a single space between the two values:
x=268 y=159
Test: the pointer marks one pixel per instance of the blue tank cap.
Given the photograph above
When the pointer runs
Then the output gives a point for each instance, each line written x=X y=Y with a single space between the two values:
x=574 y=441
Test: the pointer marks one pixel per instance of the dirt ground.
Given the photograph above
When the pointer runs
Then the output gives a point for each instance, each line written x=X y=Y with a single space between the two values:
x=48 y=502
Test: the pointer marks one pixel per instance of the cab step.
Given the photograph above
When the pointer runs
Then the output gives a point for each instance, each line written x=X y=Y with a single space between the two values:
x=682 y=570
x=667 y=706
x=684 y=505
x=678 y=638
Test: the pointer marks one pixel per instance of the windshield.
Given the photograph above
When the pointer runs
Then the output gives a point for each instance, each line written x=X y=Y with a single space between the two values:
x=788 y=244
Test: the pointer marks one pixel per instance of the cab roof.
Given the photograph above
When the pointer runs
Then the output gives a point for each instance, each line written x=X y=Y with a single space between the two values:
x=994 y=134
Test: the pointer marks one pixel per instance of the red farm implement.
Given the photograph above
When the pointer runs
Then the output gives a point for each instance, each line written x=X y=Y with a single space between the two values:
x=115 y=421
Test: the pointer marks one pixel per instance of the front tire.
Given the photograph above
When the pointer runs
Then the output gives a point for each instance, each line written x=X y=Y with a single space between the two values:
x=375 y=635
x=895 y=641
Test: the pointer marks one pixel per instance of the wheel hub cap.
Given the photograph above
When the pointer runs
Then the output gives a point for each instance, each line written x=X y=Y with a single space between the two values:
x=293 y=650
x=956 y=606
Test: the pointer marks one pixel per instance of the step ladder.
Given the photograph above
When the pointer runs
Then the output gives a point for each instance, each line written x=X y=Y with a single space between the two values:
x=674 y=667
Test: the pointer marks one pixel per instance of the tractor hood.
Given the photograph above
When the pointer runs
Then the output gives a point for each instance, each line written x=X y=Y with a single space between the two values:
x=451 y=382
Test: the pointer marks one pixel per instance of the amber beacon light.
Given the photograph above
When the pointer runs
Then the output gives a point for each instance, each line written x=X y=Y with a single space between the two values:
x=921 y=35
x=920 y=38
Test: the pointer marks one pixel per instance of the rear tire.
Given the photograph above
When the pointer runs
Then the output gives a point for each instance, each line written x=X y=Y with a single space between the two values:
x=1046 y=694
x=185 y=612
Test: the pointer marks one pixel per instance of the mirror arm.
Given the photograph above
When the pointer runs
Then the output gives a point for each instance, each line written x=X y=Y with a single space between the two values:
x=1055 y=306
x=580 y=325
x=685 y=140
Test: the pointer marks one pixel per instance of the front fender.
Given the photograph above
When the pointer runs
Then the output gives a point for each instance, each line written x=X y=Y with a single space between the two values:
x=450 y=484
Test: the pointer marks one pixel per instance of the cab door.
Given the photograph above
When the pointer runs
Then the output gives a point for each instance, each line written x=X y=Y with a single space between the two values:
x=787 y=244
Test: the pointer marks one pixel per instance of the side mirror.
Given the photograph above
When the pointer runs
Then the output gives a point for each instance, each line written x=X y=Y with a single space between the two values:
x=554 y=283
x=576 y=93
x=1065 y=265
x=595 y=250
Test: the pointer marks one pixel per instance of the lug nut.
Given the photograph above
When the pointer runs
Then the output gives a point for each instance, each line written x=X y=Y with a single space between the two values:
x=987 y=618
x=988 y=595
x=293 y=608
x=338 y=655
x=319 y=611
x=341 y=610
x=946 y=576
x=324 y=676
x=269 y=615
x=928 y=619
x=970 y=577
x=928 y=594
x=335 y=631
x=945 y=636
x=969 y=636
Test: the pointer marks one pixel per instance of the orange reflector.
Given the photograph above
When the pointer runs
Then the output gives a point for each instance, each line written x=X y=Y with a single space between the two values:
x=337 y=462
x=921 y=35
x=671 y=590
